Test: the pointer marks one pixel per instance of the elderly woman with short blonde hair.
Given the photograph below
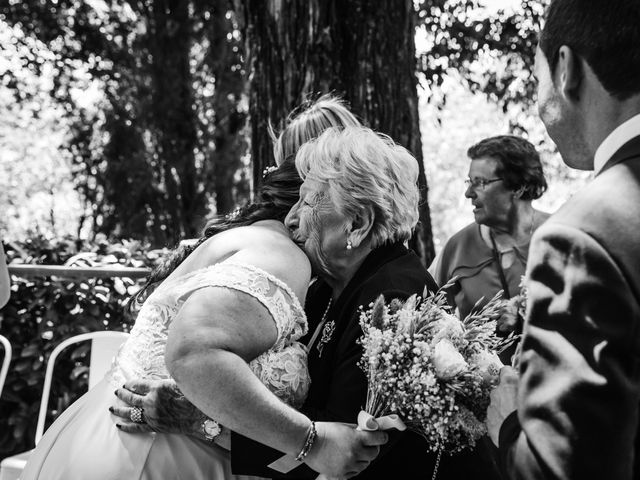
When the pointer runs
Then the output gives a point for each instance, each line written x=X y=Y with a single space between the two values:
x=365 y=170
x=358 y=206
x=369 y=181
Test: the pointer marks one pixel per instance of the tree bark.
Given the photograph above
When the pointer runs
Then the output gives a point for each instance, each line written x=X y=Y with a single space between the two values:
x=363 y=50
x=174 y=119
x=225 y=60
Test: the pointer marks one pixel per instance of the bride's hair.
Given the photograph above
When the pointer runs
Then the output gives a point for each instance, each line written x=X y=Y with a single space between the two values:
x=280 y=189
x=308 y=121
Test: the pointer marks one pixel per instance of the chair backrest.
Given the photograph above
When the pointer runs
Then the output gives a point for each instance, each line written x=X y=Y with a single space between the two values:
x=104 y=346
x=5 y=361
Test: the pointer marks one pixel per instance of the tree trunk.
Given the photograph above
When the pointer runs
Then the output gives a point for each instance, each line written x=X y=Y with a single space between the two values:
x=152 y=183
x=174 y=119
x=361 y=49
x=229 y=119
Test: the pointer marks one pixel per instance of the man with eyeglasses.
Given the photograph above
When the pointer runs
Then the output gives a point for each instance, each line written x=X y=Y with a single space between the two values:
x=489 y=255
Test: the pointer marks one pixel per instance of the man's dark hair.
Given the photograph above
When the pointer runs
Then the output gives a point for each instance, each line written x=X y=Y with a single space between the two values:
x=519 y=163
x=605 y=33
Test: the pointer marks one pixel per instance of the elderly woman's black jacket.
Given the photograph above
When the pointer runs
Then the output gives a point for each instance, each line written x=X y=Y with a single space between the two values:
x=338 y=386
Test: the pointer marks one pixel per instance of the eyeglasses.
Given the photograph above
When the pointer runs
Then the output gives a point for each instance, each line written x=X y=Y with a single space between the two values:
x=480 y=182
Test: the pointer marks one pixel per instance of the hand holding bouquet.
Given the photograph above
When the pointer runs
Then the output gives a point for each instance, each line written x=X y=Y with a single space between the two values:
x=430 y=368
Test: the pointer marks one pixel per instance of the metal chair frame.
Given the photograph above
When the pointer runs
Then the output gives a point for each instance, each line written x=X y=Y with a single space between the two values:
x=48 y=376
x=8 y=352
x=12 y=467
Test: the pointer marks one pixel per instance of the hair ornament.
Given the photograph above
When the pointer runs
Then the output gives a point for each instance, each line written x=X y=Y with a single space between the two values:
x=268 y=170
x=234 y=214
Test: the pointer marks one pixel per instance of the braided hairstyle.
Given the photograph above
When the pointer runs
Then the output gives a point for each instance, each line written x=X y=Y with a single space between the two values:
x=280 y=189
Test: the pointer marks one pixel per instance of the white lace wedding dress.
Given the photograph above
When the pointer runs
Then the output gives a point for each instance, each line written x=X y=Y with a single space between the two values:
x=84 y=444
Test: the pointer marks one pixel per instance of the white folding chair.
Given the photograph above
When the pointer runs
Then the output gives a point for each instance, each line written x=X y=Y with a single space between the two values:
x=104 y=345
x=5 y=361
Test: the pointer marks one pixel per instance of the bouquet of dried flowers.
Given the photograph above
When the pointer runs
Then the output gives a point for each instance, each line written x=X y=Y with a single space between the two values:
x=430 y=368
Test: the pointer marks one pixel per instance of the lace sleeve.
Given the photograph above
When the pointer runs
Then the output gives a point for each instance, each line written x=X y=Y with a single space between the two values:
x=270 y=291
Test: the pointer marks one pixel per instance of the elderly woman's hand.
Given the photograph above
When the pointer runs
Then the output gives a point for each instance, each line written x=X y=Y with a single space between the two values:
x=164 y=409
x=342 y=451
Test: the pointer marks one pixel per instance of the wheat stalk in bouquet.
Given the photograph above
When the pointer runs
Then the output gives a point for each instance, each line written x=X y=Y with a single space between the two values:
x=430 y=368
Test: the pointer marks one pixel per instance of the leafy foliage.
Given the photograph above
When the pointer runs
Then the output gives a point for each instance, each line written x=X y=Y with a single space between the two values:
x=155 y=92
x=492 y=53
x=43 y=311
x=152 y=91
x=35 y=186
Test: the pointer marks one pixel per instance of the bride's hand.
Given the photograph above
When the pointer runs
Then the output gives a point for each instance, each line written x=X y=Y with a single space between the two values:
x=164 y=408
x=342 y=451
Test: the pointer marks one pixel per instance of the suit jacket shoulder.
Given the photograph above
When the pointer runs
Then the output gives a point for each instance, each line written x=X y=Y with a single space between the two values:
x=579 y=390
x=608 y=211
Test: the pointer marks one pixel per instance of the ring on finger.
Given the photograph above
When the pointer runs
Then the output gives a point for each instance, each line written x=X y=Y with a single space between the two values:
x=136 y=415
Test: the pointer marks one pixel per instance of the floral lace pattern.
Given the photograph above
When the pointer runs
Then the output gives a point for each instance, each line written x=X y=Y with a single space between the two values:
x=285 y=373
x=283 y=368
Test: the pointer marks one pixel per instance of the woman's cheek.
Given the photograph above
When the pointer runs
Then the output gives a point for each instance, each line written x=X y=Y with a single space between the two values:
x=317 y=253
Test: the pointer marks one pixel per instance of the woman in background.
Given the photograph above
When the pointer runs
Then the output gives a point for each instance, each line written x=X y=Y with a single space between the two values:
x=489 y=255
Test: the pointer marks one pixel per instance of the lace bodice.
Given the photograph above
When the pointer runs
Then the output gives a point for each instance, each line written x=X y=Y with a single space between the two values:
x=283 y=368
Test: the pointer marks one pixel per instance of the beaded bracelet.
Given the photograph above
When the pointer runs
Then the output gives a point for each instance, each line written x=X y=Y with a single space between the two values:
x=308 y=443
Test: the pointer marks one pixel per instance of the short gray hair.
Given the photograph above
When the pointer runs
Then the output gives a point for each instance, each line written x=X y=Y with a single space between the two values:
x=366 y=169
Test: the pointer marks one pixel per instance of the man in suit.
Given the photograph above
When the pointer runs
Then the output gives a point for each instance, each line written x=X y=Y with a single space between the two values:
x=576 y=399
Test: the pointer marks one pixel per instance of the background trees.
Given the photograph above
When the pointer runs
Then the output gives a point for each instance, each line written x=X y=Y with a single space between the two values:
x=153 y=96
x=362 y=50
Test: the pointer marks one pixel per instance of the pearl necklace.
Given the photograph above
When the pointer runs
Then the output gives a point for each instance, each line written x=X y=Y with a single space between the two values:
x=326 y=312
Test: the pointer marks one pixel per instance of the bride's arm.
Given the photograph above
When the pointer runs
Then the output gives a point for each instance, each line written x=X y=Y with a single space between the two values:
x=212 y=338
x=218 y=331
x=209 y=318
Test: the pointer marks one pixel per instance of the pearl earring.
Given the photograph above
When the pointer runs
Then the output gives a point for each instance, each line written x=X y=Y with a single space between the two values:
x=349 y=246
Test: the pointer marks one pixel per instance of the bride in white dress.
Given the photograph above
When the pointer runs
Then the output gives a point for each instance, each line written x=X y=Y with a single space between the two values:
x=240 y=288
